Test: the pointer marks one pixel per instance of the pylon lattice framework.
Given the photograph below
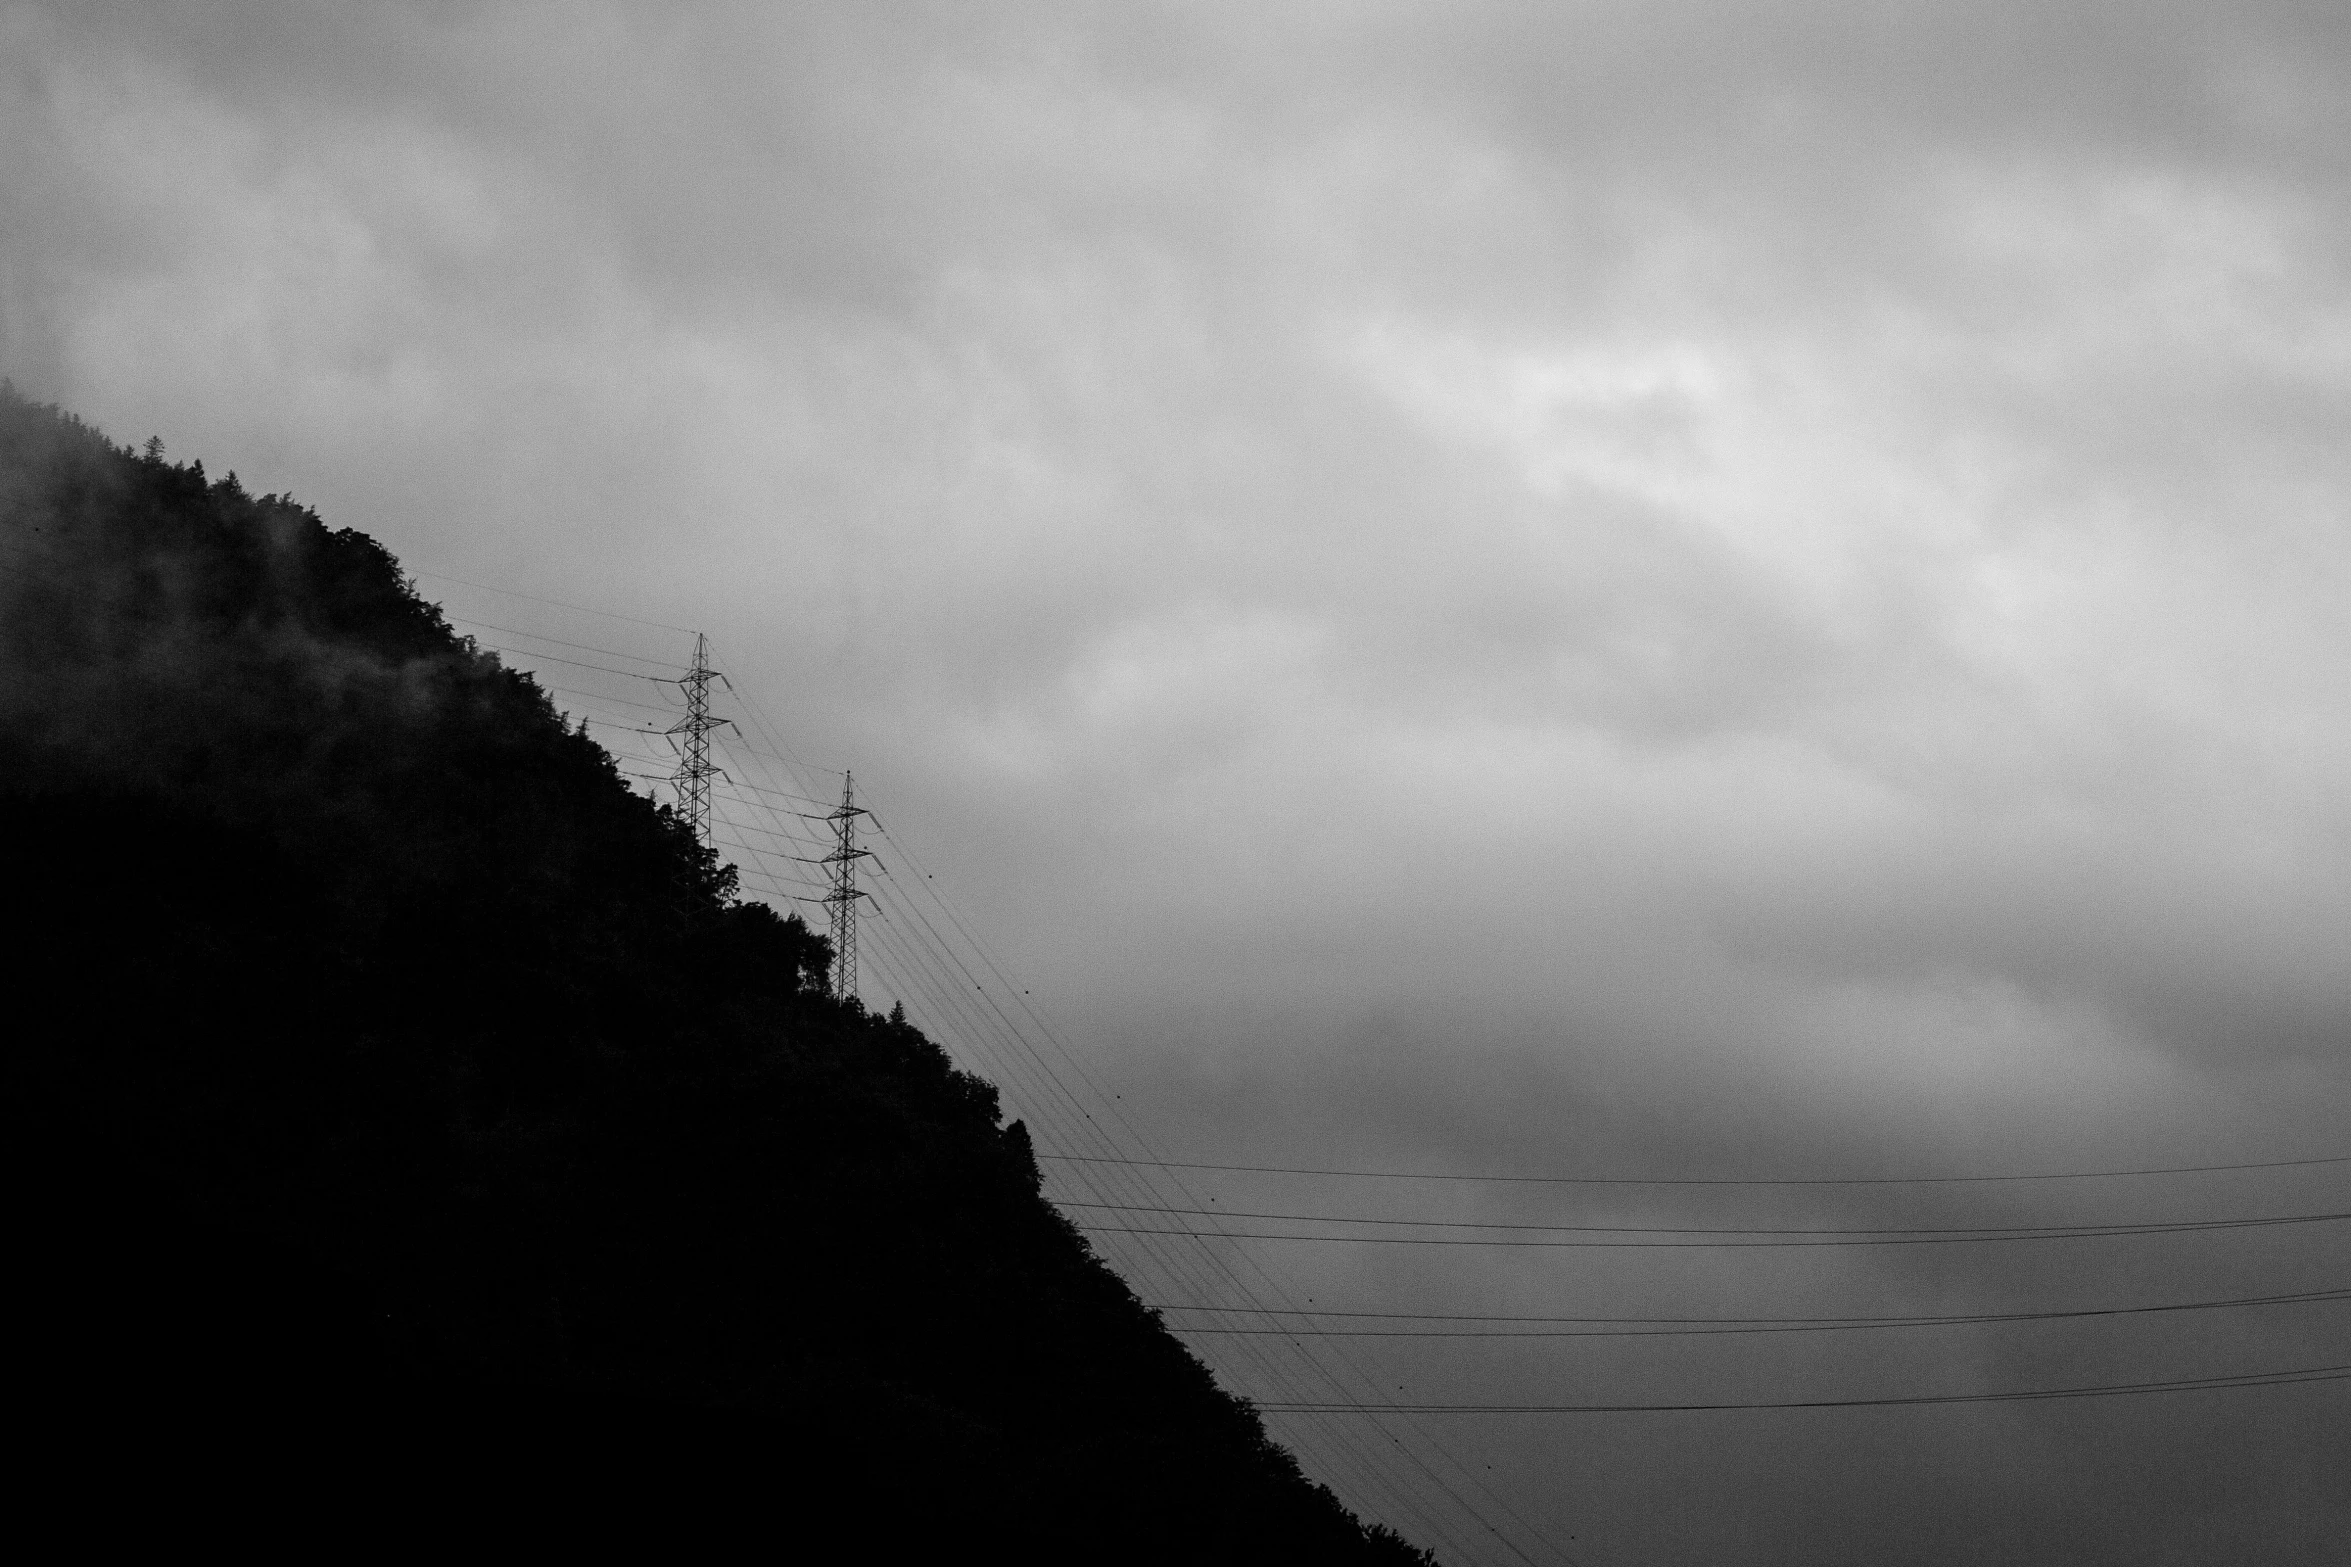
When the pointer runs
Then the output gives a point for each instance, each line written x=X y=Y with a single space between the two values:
x=690 y=736
x=841 y=902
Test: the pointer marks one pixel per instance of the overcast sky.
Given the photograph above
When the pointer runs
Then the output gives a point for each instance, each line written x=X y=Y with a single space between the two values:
x=1670 y=589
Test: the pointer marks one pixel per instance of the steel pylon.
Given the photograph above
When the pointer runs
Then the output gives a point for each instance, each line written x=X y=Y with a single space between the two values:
x=690 y=736
x=841 y=902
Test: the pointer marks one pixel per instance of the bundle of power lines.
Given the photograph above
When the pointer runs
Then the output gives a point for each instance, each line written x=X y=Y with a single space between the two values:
x=1212 y=1269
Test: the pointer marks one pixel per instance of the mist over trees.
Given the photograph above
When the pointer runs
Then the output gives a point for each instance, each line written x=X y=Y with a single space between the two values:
x=419 y=1124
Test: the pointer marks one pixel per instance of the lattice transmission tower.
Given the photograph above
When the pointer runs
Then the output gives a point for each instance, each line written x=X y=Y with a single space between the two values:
x=690 y=736
x=841 y=901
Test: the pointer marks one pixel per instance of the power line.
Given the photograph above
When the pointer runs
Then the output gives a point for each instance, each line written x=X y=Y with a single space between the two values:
x=1645 y=1180
x=2324 y=1292
x=662 y=625
x=801 y=839
x=2128 y=1227
x=2283 y=1378
x=774 y=880
x=577 y=647
x=550 y=658
x=1718 y=1327
x=618 y=701
x=781 y=794
x=1815 y=1238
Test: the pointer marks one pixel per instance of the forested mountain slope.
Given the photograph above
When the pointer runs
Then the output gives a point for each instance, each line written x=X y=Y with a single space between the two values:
x=416 y=1123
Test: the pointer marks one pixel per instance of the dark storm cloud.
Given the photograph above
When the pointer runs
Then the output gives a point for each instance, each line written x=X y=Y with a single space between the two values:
x=1676 y=589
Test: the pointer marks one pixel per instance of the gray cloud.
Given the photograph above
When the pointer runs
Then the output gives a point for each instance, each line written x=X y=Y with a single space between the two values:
x=1476 y=587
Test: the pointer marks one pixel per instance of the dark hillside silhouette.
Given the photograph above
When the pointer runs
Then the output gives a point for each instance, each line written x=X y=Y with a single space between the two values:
x=377 y=1175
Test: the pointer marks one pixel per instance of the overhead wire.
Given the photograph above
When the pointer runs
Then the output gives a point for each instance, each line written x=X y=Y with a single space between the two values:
x=2279 y=1378
x=442 y=576
x=616 y=701
x=579 y=647
x=1651 y=1327
x=1767 y=1243
x=550 y=658
x=2324 y=1292
x=777 y=832
x=1970 y=1231
x=781 y=794
x=1651 y=1180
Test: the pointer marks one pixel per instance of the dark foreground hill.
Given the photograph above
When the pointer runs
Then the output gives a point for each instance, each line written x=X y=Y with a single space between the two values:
x=418 y=1139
